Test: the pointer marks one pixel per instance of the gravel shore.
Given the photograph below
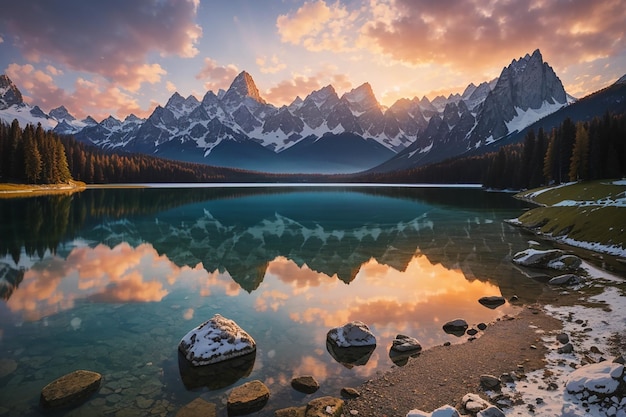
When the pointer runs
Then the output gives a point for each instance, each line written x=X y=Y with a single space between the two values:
x=444 y=374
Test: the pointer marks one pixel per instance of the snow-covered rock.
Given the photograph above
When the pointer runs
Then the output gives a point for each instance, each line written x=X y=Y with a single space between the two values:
x=444 y=411
x=403 y=343
x=536 y=258
x=352 y=334
x=597 y=381
x=217 y=339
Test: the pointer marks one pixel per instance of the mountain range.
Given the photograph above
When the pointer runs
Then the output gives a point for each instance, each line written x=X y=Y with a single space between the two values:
x=322 y=133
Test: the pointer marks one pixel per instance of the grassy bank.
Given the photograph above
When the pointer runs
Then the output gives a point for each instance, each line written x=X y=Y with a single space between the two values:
x=11 y=190
x=588 y=215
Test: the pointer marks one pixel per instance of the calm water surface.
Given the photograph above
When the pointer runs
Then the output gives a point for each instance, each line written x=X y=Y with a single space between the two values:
x=111 y=280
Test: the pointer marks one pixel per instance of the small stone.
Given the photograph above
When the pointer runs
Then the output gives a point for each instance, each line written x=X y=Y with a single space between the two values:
x=481 y=326
x=563 y=338
x=7 y=366
x=70 y=389
x=456 y=327
x=492 y=301
x=348 y=392
x=489 y=382
x=324 y=407
x=568 y=348
x=354 y=412
x=306 y=384
x=472 y=332
x=352 y=334
x=491 y=411
x=248 y=398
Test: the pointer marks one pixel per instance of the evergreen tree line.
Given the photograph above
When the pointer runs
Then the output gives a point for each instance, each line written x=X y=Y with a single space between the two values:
x=32 y=155
x=571 y=152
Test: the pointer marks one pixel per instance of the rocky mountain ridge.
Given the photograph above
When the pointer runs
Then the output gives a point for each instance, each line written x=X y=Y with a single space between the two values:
x=238 y=128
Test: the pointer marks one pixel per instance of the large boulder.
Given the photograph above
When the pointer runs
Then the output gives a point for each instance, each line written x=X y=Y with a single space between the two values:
x=596 y=382
x=247 y=398
x=352 y=334
x=70 y=390
x=217 y=339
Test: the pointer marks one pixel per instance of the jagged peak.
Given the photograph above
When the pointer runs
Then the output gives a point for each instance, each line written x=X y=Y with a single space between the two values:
x=61 y=113
x=362 y=92
x=243 y=86
x=9 y=93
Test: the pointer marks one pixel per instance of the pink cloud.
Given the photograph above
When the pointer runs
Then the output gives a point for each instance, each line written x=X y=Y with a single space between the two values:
x=110 y=38
x=98 y=98
x=217 y=76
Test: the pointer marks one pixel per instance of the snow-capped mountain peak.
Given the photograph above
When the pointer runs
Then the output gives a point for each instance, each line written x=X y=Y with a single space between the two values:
x=10 y=95
x=242 y=86
x=61 y=113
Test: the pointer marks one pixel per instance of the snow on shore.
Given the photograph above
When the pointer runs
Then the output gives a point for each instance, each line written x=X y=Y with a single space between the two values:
x=590 y=330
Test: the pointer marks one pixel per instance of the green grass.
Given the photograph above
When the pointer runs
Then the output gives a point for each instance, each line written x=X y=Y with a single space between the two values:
x=593 y=222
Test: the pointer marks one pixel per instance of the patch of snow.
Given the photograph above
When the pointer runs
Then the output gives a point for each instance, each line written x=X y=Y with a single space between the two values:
x=527 y=117
x=597 y=331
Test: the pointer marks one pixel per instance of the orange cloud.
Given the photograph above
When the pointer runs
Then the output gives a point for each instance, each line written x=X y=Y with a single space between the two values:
x=270 y=65
x=98 y=98
x=217 y=76
x=318 y=27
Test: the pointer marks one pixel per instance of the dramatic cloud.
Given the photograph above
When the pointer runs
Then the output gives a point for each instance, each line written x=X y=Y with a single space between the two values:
x=110 y=38
x=97 y=99
x=217 y=76
x=318 y=26
x=475 y=35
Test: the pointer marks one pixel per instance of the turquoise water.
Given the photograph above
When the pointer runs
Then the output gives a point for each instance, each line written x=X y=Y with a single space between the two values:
x=111 y=280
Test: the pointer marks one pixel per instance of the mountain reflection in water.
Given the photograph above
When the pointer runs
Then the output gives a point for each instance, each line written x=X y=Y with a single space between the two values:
x=112 y=279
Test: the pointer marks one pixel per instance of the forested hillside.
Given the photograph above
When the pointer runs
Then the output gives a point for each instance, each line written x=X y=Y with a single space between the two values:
x=570 y=152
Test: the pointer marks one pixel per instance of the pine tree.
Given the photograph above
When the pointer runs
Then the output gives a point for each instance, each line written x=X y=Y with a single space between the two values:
x=579 y=163
x=32 y=158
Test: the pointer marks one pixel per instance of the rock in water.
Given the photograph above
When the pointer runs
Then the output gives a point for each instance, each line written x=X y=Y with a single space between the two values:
x=217 y=339
x=404 y=343
x=352 y=334
x=70 y=389
x=197 y=408
x=306 y=384
x=324 y=407
x=492 y=301
x=247 y=398
x=456 y=327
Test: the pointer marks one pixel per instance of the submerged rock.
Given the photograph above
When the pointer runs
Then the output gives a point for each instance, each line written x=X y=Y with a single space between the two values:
x=352 y=334
x=350 y=356
x=247 y=398
x=217 y=339
x=216 y=375
x=306 y=384
x=198 y=408
x=566 y=279
x=70 y=390
x=324 y=407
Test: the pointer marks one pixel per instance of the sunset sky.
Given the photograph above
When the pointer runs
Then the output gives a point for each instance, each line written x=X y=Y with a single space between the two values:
x=120 y=57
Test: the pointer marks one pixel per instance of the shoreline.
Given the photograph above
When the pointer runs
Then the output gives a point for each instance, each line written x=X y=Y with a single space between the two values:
x=442 y=375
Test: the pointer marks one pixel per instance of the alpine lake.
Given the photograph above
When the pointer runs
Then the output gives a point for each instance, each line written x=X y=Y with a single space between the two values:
x=110 y=280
